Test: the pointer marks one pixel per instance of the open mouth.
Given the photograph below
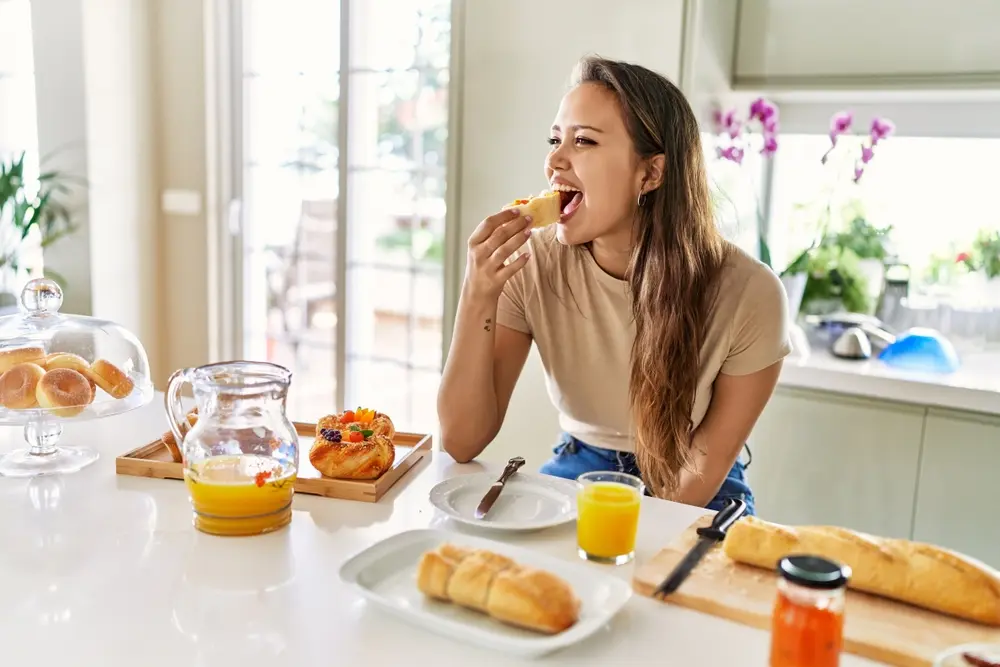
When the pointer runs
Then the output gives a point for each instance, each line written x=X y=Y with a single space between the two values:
x=569 y=199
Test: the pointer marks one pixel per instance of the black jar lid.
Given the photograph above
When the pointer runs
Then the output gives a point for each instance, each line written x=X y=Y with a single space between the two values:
x=814 y=572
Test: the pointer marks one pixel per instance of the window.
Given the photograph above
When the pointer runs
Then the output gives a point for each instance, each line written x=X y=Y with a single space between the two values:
x=737 y=191
x=18 y=133
x=385 y=349
x=934 y=192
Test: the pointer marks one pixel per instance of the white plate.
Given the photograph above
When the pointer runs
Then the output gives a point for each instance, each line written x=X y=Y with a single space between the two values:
x=386 y=574
x=953 y=656
x=528 y=501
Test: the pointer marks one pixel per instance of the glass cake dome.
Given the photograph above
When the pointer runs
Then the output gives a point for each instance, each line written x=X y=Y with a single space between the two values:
x=55 y=368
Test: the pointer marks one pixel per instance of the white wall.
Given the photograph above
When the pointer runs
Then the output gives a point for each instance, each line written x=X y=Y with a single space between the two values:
x=121 y=166
x=515 y=73
x=60 y=94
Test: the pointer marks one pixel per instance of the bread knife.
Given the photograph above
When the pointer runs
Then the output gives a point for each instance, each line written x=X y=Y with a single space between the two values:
x=708 y=537
x=491 y=496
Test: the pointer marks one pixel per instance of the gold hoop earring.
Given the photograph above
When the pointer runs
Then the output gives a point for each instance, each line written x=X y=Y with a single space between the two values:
x=641 y=199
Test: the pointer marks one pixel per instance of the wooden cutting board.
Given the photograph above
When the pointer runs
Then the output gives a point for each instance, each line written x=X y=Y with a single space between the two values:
x=876 y=628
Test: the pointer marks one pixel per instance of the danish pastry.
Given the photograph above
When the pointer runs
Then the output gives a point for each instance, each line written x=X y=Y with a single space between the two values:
x=347 y=447
x=363 y=418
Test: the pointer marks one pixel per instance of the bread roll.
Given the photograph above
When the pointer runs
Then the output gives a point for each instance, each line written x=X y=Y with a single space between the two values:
x=170 y=442
x=470 y=583
x=492 y=583
x=920 y=574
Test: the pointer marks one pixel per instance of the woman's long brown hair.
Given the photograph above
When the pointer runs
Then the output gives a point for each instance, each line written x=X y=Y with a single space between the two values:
x=673 y=271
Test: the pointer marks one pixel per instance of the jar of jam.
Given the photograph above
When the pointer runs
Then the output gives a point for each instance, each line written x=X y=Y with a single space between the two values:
x=807 y=624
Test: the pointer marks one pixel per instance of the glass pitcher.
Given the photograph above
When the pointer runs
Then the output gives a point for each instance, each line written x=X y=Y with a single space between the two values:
x=241 y=455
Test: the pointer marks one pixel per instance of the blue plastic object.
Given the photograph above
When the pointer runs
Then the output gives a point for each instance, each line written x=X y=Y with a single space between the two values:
x=920 y=349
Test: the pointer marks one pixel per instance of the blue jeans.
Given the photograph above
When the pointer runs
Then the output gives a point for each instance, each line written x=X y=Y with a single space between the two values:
x=573 y=458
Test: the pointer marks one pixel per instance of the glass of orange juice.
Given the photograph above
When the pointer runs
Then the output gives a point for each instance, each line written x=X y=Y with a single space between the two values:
x=607 y=516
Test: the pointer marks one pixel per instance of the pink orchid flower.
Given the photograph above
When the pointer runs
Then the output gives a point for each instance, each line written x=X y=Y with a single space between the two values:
x=840 y=124
x=867 y=153
x=881 y=128
x=770 y=145
x=764 y=111
x=731 y=153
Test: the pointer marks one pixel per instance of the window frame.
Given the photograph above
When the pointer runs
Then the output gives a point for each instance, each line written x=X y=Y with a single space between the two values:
x=225 y=102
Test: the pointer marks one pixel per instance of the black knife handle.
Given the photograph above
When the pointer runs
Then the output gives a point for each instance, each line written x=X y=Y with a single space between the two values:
x=512 y=466
x=724 y=518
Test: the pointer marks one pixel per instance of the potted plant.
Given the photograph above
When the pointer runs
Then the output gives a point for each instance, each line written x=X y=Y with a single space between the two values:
x=26 y=206
x=982 y=262
x=847 y=267
x=734 y=137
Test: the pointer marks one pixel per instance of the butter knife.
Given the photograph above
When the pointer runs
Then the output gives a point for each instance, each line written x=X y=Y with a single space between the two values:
x=494 y=492
x=708 y=537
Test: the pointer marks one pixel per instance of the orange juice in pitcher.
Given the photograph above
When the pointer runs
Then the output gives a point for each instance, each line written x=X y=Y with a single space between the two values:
x=241 y=455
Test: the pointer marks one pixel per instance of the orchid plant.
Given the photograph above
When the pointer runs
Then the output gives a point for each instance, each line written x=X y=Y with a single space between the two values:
x=855 y=158
x=840 y=125
x=736 y=136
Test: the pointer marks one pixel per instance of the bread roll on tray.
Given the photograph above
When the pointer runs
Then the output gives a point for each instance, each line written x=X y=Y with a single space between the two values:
x=496 y=585
x=920 y=574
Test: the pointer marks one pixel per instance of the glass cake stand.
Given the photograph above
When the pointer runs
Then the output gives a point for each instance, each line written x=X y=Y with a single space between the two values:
x=57 y=368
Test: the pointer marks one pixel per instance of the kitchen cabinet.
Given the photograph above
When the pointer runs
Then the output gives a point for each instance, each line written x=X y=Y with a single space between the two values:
x=823 y=458
x=956 y=501
x=867 y=44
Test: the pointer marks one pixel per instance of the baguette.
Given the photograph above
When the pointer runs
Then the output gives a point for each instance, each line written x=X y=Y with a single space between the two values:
x=920 y=574
x=544 y=209
x=497 y=586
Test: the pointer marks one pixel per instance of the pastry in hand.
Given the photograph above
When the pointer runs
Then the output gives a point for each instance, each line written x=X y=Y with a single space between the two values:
x=496 y=585
x=352 y=452
x=548 y=207
x=364 y=419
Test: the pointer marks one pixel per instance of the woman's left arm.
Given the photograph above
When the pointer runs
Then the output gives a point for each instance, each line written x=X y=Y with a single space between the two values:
x=742 y=388
x=737 y=401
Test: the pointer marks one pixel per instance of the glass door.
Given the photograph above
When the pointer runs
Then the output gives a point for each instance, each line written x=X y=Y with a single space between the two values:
x=342 y=110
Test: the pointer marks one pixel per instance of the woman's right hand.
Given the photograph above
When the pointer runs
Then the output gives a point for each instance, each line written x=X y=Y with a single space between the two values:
x=494 y=240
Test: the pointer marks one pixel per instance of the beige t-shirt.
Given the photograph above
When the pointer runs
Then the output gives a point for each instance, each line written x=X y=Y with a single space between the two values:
x=586 y=350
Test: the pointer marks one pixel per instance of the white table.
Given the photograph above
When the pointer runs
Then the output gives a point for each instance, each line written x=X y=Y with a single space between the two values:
x=102 y=569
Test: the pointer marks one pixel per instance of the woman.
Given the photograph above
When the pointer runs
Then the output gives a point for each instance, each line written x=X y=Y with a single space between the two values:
x=661 y=341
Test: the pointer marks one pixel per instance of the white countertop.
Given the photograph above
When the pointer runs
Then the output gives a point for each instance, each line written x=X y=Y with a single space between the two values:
x=975 y=386
x=101 y=569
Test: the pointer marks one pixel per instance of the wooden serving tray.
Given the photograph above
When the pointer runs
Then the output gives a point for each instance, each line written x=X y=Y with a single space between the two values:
x=876 y=628
x=154 y=460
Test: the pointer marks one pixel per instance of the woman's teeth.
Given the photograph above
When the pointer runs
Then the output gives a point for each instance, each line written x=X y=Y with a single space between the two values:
x=567 y=194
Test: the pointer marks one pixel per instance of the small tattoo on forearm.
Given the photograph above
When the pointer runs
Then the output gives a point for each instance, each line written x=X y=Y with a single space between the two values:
x=489 y=324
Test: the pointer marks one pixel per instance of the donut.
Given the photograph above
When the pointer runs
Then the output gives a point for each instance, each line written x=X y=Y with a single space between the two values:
x=359 y=454
x=71 y=361
x=364 y=418
x=20 y=355
x=110 y=378
x=17 y=386
x=64 y=391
